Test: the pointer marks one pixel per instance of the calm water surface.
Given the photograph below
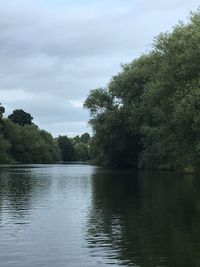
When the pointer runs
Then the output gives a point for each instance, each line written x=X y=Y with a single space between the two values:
x=81 y=215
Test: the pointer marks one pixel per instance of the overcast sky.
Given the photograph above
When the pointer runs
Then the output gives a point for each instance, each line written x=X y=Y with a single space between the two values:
x=53 y=52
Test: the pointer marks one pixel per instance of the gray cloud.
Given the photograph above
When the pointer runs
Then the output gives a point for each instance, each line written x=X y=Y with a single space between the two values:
x=52 y=54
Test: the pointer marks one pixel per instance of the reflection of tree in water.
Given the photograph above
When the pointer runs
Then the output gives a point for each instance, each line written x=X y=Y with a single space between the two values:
x=145 y=220
x=18 y=189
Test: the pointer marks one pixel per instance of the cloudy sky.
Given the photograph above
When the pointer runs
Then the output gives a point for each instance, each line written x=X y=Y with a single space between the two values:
x=52 y=52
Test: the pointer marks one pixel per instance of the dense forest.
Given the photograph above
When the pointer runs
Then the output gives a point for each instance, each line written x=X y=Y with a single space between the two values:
x=148 y=116
x=21 y=141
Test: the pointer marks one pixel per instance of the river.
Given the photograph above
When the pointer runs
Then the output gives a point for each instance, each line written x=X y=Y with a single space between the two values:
x=82 y=215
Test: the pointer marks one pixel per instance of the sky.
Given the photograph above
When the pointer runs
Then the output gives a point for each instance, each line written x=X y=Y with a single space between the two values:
x=53 y=52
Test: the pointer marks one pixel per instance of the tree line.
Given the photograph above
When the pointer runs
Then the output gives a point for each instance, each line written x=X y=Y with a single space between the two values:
x=148 y=116
x=22 y=141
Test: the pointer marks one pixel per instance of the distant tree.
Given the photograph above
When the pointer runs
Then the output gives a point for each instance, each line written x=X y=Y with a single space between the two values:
x=27 y=144
x=85 y=138
x=37 y=146
x=21 y=117
x=2 y=110
x=49 y=148
x=66 y=148
x=82 y=152
x=76 y=139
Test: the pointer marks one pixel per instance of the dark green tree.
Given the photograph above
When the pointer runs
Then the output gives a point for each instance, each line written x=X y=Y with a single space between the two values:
x=82 y=152
x=13 y=133
x=149 y=112
x=76 y=139
x=85 y=138
x=21 y=117
x=116 y=144
x=66 y=148
x=27 y=144
x=5 y=157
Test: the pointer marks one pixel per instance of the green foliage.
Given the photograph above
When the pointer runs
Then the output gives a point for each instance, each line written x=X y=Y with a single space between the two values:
x=82 y=152
x=12 y=132
x=66 y=148
x=81 y=146
x=98 y=100
x=41 y=149
x=26 y=144
x=75 y=140
x=149 y=112
x=21 y=117
x=4 y=150
x=85 y=138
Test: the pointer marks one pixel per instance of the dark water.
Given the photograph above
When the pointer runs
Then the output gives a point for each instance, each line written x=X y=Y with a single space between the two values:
x=80 y=215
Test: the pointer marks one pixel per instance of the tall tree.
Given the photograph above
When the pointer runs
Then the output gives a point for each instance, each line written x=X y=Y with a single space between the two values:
x=149 y=112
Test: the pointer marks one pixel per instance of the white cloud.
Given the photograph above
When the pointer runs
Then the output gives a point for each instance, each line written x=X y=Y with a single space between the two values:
x=15 y=95
x=77 y=103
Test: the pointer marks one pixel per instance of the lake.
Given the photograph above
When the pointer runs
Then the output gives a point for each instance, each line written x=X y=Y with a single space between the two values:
x=82 y=215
